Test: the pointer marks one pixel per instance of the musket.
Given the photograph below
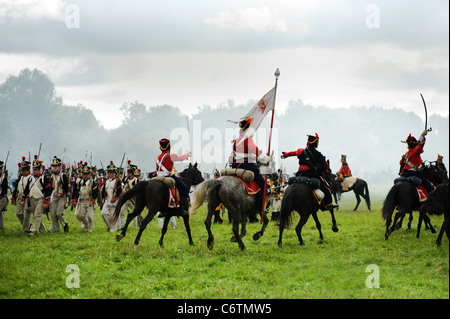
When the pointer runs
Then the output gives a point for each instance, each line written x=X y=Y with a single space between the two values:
x=6 y=161
x=426 y=115
x=40 y=146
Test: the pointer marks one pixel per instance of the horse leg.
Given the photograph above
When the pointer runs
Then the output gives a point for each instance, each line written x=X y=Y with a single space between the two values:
x=358 y=200
x=410 y=219
x=188 y=228
x=164 y=229
x=398 y=215
x=236 y=233
x=419 y=225
x=298 y=228
x=147 y=219
x=441 y=232
x=259 y=234
x=388 y=224
x=139 y=207
x=209 y=216
x=318 y=225
x=333 y=220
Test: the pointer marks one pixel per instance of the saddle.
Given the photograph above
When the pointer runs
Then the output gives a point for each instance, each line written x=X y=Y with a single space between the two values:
x=416 y=181
x=348 y=182
x=313 y=183
x=174 y=194
x=245 y=176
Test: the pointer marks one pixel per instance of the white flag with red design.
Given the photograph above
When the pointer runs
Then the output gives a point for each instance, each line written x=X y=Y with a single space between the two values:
x=257 y=113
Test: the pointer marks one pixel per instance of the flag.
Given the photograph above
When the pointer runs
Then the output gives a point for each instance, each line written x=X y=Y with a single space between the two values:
x=258 y=113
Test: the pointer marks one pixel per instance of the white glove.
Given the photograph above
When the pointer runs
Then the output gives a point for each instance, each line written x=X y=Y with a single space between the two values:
x=263 y=158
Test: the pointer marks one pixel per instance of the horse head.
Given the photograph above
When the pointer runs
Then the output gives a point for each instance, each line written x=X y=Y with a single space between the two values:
x=192 y=174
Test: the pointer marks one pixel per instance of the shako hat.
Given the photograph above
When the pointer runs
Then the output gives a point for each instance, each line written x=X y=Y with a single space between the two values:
x=313 y=140
x=164 y=144
x=245 y=124
x=37 y=163
x=56 y=161
x=111 y=168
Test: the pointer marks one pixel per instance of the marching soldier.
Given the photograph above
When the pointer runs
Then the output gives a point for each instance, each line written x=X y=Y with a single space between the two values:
x=313 y=164
x=128 y=183
x=3 y=192
x=84 y=196
x=36 y=196
x=60 y=184
x=22 y=213
x=110 y=192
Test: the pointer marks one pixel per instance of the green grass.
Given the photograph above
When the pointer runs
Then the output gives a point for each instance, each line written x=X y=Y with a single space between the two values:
x=335 y=268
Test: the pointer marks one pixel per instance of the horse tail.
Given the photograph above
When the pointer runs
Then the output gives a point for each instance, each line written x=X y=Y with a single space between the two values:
x=366 y=187
x=137 y=189
x=286 y=212
x=390 y=202
x=201 y=192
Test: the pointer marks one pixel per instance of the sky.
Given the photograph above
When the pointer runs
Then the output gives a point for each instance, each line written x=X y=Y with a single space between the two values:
x=191 y=53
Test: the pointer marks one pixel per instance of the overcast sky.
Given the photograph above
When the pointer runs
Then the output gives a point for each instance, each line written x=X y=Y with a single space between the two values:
x=202 y=52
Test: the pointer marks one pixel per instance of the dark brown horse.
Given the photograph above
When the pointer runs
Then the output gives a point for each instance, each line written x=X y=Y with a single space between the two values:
x=360 y=189
x=300 y=198
x=437 y=204
x=154 y=195
x=403 y=197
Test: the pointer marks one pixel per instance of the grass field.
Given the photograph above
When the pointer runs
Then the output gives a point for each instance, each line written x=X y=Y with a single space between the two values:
x=335 y=268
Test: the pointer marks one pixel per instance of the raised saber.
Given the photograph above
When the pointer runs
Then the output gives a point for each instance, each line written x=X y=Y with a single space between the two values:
x=426 y=114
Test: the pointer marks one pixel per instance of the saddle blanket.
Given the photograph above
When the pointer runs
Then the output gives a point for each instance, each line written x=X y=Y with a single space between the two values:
x=174 y=198
x=314 y=183
x=421 y=191
x=251 y=187
x=348 y=182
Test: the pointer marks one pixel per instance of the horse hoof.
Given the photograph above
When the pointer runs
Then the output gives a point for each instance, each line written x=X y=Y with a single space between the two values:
x=257 y=236
x=335 y=229
x=191 y=243
x=233 y=239
x=280 y=245
x=119 y=237
x=210 y=246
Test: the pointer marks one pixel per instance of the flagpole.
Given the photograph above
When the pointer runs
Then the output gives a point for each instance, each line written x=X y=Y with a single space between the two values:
x=277 y=74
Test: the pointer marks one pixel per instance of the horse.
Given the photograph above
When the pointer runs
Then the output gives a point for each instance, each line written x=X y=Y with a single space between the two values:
x=154 y=195
x=436 y=204
x=229 y=191
x=300 y=198
x=360 y=188
x=403 y=197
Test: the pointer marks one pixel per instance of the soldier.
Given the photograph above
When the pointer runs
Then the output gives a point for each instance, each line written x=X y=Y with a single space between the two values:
x=3 y=192
x=60 y=184
x=22 y=213
x=128 y=183
x=343 y=172
x=165 y=166
x=110 y=192
x=244 y=156
x=313 y=164
x=441 y=166
x=84 y=197
x=411 y=163
x=36 y=196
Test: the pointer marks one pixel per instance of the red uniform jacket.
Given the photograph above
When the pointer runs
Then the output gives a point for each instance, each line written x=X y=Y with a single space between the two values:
x=413 y=159
x=245 y=152
x=344 y=171
x=166 y=159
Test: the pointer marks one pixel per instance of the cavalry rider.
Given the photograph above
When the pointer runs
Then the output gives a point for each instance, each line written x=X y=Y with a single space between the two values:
x=313 y=165
x=244 y=156
x=442 y=167
x=412 y=162
x=343 y=172
x=164 y=167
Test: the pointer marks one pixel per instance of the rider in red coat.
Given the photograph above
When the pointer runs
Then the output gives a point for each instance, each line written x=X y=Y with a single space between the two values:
x=412 y=161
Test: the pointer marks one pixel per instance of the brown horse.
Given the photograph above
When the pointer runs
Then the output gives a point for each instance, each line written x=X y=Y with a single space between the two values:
x=300 y=198
x=154 y=195
x=403 y=198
